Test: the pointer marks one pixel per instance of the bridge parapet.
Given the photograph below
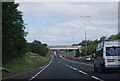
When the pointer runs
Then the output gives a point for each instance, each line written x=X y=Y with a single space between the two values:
x=64 y=47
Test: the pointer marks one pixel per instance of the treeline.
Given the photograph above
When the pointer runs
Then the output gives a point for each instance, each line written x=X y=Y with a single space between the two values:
x=37 y=47
x=14 y=43
x=92 y=45
x=115 y=37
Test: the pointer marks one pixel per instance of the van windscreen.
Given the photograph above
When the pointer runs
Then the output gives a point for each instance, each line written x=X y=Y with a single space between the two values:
x=112 y=51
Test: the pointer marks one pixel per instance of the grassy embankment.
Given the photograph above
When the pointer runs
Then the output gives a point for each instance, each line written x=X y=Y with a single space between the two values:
x=28 y=62
x=71 y=53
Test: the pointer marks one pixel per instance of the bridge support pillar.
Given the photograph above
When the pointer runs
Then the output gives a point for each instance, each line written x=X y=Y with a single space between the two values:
x=77 y=53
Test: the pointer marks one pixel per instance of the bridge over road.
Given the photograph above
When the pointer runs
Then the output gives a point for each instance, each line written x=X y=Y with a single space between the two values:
x=77 y=48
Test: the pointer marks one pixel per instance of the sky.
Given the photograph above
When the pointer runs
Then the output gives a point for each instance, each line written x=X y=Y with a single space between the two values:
x=59 y=23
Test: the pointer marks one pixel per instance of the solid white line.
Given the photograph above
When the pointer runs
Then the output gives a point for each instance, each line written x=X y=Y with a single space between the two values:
x=31 y=78
x=41 y=67
x=82 y=72
x=97 y=78
x=66 y=65
x=41 y=70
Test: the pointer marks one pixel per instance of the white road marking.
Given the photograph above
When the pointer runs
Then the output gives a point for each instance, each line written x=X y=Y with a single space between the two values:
x=74 y=68
x=70 y=66
x=86 y=73
x=82 y=72
x=31 y=78
x=97 y=78
x=41 y=67
x=41 y=70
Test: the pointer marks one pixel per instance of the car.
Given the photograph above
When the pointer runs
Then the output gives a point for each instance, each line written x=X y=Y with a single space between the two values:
x=88 y=58
x=78 y=58
x=60 y=56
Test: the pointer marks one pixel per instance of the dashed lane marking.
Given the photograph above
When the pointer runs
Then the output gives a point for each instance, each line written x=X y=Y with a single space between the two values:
x=85 y=73
x=94 y=77
x=74 y=68
x=70 y=66
x=82 y=72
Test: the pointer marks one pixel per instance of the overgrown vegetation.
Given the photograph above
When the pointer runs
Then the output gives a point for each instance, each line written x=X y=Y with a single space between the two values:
x=37 y=47
x=28 y=62
x=12 y=32
x=15 y=48
x=71 y=53
x=13 y=35
x=115 y=37
x=92 y=45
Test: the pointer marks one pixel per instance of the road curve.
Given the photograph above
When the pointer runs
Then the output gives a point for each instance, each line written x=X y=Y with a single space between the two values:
x=62 y=69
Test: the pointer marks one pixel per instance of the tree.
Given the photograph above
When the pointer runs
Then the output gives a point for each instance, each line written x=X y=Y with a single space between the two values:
x=39 y=48
x=12 y=31
x=91 y=46
x=115 y=37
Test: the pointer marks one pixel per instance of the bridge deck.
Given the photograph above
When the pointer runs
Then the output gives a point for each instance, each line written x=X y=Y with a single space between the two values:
x=63 y=47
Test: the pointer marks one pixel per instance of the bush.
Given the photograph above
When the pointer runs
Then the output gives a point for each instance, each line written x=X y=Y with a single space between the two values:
x=37 y=47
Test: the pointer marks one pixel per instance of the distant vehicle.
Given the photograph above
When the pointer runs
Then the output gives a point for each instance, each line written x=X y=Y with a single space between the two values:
x=60 y=55
x=107 y=55
x=88 y=58
x=55 y=52
x=78 y=58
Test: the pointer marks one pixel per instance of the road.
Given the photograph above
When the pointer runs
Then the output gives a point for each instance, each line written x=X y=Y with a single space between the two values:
x=60 y=68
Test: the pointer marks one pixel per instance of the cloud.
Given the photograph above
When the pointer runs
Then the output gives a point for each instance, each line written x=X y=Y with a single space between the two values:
x=58 y=22
x=67 y=0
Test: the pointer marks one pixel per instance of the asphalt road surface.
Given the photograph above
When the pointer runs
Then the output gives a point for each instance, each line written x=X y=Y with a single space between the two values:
x=62 y=69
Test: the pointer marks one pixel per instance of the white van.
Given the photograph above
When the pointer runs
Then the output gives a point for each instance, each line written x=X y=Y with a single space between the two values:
x=107 y=55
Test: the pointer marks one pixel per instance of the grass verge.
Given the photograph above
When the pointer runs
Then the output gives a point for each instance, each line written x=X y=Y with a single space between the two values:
x=28 y=62
x=71 y=53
